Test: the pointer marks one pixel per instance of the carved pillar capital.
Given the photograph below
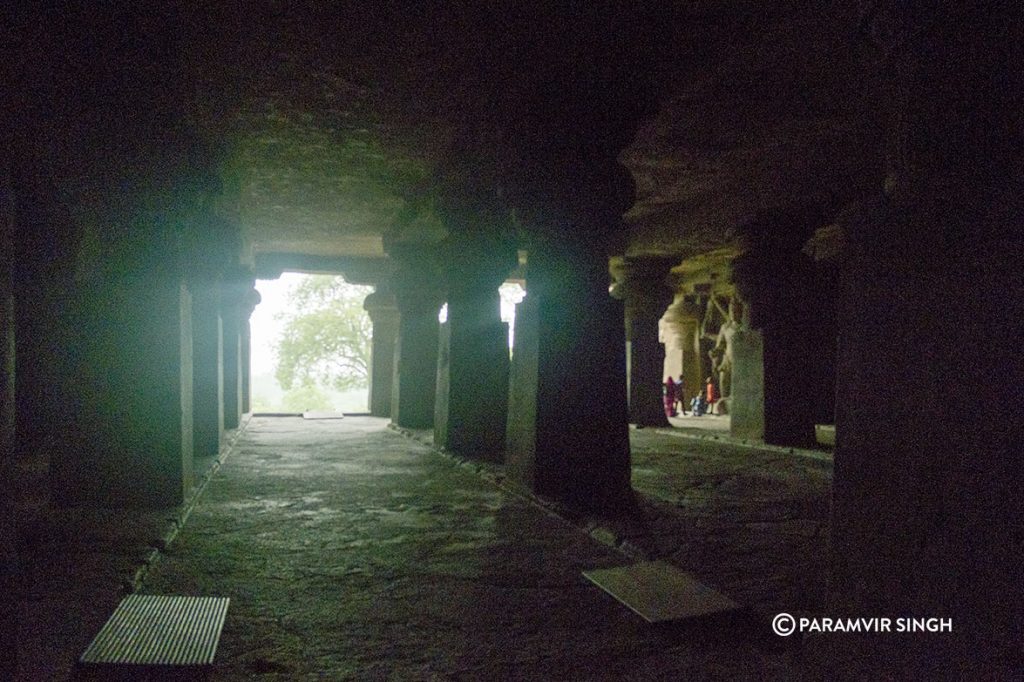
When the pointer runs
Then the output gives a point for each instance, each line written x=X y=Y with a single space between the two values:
x=416 y=278
x=238 y=295
x=642 y=284
x=476 y=264
x=575 y=201
x=773 y=268
x=683 y=316
x=381 y=303
x=210 y=244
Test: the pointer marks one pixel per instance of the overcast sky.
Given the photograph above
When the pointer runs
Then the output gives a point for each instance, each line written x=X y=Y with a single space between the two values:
x=265 y=329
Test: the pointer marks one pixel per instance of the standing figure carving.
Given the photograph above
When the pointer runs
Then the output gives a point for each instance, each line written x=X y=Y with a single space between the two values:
x=721 y=354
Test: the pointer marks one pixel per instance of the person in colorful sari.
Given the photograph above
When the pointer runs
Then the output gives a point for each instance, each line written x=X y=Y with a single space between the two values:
x=669 y=393
x=711 y=395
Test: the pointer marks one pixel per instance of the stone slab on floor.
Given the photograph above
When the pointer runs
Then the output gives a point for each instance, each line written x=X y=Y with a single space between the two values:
x=659 y=592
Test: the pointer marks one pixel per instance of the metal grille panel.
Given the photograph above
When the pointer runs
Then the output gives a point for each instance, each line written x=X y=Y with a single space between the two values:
x=148 y=629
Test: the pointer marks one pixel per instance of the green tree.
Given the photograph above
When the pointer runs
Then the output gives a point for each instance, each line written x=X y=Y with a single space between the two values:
x=325 y=338
x=305 y=398
x=261 y=403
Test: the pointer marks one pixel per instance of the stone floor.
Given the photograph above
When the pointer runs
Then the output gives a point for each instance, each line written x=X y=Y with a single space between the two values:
x=753 y=523
x=350 y=551
x=708 y=423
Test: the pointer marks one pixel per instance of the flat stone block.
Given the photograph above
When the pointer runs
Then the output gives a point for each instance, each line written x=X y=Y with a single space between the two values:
x=659 y=592
x=323 y=415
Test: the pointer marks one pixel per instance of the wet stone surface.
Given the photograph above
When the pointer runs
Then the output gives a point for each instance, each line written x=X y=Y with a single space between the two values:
x=352 y=552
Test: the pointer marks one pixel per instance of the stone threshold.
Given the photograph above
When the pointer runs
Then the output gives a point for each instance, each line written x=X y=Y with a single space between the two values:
x=821 y=457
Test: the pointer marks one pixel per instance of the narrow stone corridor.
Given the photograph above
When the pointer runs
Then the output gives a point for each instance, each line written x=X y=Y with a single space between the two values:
x=351 y=552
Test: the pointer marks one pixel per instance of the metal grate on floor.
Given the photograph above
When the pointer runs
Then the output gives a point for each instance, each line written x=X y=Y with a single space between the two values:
x=158 y=630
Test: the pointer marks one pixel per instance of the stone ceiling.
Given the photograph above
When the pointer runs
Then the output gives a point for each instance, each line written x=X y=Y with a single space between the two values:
x=760 y=105
x=334 y=118
x=774 y=109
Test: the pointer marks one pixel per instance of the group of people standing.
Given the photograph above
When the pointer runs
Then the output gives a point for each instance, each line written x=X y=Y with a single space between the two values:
x=675 y=402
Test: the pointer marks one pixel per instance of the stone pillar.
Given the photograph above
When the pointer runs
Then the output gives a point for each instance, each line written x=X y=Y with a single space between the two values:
x=682 y=335
x=108 y=346
x=928 y=507
x=7 y=320
x=747 y=403
x=383 y=312
x=128 y=436
x=238 y=298
x=472 y=399
x=927 y=504
x=232 y=354
x=642 y=288
x=43 y=275
x=568 y=435
x=568 y=421
x=774 y=347
x=8 y=530
x=208 y=372
x=671 y=340
x=418 y=299
x=246 y=349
